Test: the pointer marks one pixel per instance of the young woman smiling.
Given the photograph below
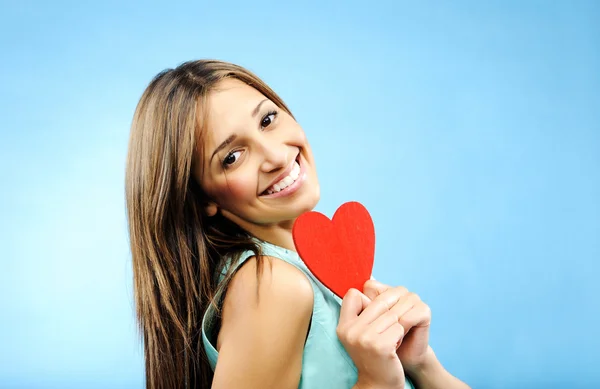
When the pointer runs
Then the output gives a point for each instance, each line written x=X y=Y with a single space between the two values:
x=218 y=170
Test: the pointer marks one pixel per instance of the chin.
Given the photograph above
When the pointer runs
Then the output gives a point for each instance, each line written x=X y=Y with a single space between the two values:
x=311 y=204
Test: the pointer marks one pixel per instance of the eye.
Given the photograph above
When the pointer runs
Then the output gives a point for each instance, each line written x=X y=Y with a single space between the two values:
x=267 y=120
x=231 y=158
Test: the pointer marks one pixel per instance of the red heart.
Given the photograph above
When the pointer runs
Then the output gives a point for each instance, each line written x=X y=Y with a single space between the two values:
x=339 y=252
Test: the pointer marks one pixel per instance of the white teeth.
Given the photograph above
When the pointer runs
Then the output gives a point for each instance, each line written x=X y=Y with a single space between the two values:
x=287 y=181
x=295 y=171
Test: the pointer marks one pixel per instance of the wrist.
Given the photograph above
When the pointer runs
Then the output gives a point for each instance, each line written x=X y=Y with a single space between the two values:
x=430 y=374
x=362 y=384
x=429 y=366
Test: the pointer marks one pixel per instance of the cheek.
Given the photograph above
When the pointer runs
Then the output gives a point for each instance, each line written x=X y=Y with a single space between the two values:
x=236 y=189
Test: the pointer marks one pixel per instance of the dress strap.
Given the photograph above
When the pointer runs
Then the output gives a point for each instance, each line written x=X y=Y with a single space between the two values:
x=210 y=316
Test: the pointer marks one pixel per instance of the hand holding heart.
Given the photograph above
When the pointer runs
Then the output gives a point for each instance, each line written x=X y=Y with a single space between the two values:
x=415 y=318
x=340 y=253
x=370 y=334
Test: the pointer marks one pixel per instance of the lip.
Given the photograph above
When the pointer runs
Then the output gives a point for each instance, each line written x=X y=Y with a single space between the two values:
x=285 y=173
x=292 y=188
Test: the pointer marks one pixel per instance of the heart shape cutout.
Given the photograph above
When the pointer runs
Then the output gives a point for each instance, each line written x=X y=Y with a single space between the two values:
x=339 y=252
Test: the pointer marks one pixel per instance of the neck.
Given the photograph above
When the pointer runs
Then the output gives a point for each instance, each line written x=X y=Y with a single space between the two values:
x=279 y=235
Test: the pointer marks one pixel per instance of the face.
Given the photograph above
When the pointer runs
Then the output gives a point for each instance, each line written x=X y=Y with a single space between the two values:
x=259 y=170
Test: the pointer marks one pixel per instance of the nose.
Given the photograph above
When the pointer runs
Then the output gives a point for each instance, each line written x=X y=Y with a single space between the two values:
x=275 y=156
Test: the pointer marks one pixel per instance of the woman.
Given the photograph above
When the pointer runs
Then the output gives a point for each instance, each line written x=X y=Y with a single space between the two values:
x=217 y=172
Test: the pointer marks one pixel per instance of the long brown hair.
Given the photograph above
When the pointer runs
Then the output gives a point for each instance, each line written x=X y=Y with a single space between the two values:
x=176 y=249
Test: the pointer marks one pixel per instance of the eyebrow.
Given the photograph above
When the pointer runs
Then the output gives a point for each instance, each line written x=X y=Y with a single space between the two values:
x=226 y=143
x=232 y=137
x=255 y=111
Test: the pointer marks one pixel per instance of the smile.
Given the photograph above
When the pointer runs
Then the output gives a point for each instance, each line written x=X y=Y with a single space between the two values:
x=289 y=183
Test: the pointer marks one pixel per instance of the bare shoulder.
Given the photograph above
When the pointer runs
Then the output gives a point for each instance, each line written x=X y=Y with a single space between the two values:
x=264 y=325
x=279 y=282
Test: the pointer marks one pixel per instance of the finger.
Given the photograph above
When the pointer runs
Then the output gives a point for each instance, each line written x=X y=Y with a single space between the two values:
x=392 y=337
x=418 y=316
x=353 y=304
x=383 y=322
x=380 y=305
x=405 y=304
x=373 y=288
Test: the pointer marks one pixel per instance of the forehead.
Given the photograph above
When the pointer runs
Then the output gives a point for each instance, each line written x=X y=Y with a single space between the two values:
x=229 y=106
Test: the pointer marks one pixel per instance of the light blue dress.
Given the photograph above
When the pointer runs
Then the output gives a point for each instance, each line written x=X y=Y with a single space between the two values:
x=325 y=362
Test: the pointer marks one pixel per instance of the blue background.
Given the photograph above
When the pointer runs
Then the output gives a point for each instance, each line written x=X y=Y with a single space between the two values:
x=469 y=129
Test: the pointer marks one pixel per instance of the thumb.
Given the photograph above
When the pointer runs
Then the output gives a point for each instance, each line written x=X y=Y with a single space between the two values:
x=353 y=304
x=373 y=288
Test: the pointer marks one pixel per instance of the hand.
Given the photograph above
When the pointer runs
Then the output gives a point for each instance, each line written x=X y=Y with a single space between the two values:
x=370 y=332
x=415 y=318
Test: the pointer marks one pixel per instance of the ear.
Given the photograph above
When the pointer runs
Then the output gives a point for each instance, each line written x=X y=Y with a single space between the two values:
x=211 y=209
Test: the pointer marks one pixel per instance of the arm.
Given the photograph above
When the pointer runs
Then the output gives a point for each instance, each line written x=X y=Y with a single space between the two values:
x=432 y=375
x=262 y=334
